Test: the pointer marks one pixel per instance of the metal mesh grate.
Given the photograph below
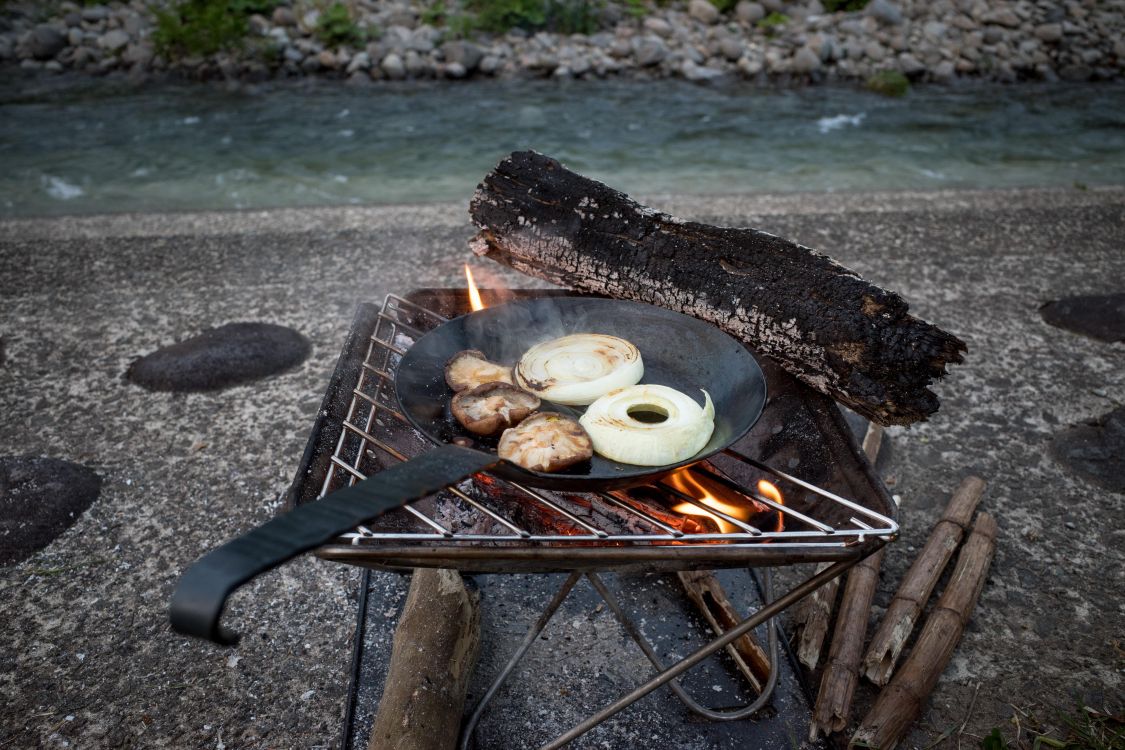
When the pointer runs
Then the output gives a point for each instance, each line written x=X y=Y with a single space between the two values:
x=488 y=513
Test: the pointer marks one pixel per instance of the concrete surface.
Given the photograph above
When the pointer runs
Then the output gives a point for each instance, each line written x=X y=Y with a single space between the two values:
x=88 y=658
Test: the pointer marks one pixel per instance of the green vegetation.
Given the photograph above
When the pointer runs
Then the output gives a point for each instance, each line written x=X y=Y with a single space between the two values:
x=889 y=83
x=725 y=6
x=335 y=27
x=773 y=20
x=204 y=27
x=636 y=8
x=501 y=16
x=1084 y=729
x=831 y=6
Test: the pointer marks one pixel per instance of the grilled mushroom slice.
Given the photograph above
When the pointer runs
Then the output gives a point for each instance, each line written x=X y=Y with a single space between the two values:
x=492 y=407
x=470 y=368
x=546 y=441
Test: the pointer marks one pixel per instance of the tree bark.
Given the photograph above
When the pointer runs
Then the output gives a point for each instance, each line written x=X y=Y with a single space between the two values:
x=827 y=326
x=435 y=649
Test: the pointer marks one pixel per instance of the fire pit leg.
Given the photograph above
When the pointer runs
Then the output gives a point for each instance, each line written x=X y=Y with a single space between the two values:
x=765 y=613
x=708 y=713
x=560 y=596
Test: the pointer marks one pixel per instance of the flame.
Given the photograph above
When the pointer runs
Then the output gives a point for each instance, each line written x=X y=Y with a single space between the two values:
x=709 y=493
x=770 y=491
x=474 y=294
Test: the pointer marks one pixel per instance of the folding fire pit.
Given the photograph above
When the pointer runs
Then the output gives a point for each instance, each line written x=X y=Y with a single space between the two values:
x=796 y=489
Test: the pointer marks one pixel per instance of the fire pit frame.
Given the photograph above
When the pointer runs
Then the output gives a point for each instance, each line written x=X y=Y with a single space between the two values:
x=369 y=355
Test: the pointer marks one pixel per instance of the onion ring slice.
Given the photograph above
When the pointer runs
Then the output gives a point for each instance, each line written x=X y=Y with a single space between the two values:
x=578 y=369
x=618 y=434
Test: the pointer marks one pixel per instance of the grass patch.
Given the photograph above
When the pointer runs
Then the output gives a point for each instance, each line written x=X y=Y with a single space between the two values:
x=501 y=16
x=725 y=6
x=889 y=83
x=335 y=27
x=772 y=23
x=204 y=27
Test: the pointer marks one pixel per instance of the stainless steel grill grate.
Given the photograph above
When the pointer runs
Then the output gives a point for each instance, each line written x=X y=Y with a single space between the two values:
x=491 y=524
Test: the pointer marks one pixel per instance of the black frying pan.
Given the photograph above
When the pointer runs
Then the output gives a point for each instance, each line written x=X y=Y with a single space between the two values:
x=677 y=350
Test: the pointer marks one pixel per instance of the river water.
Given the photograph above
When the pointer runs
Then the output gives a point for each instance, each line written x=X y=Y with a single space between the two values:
x=108 y=147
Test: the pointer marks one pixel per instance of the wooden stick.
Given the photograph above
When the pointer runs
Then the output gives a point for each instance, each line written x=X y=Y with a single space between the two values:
x=837 y=685
x=705 y=591
x=901 y=701
x=914 y=592
x=851 y=339
x=435 y=648
x=812 y=614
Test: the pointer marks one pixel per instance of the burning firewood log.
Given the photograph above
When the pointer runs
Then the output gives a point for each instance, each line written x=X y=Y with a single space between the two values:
x=827 y=326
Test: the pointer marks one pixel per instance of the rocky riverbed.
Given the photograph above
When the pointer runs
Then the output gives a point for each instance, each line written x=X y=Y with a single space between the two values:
x=766 y=40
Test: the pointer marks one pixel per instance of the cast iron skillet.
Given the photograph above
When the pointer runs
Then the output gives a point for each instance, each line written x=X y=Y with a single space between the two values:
x=678 y=351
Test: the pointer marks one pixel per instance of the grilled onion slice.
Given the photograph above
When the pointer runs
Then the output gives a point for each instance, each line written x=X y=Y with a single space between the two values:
x=546 y=441
x=471 y=368
x=578 y=369
x=649 y=425
x=492 y=407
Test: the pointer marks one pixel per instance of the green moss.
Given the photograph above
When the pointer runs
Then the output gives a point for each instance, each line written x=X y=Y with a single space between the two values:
x=724 y=6
x=889 y=83
x=636 y=8
x=335 y=27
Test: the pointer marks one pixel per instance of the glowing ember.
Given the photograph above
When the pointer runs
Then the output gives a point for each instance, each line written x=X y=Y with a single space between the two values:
x=719 y=497
x=474 y=295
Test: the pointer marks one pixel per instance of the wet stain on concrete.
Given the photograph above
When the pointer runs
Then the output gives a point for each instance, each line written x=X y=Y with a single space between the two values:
x=1095 y=450
x=40 y=498
x=1099 y=316
x=221 y=357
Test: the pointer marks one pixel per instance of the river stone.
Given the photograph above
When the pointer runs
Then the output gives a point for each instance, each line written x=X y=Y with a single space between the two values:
x=284 y=16
x=95 y=13
x=749 y=12
x=703 y=11
x=658 y=26
x=1049 y=32
x=885 y=11
x=40 y=498
x=649 y=49
x=392 y=65
x=111 y=41
x=45 y=42
x=1099 y=316
x=1002 y=17
x=221 y=357
x=465 y=54
x=1095 y=450
x=805 y=61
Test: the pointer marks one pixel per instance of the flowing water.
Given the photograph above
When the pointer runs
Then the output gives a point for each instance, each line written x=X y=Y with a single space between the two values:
x=107 y=147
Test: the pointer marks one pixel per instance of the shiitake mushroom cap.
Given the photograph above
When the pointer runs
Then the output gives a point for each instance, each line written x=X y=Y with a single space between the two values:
x=491 y=407
x=470 y=368
x=547 y=441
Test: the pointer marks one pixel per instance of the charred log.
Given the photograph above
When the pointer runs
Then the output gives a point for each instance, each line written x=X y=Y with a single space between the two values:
x=827 y=326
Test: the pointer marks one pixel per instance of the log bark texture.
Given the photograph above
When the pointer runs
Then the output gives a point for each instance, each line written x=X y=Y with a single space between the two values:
x=901 y=701
x=827 y=326
x=915 y=589
x=432 y=659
